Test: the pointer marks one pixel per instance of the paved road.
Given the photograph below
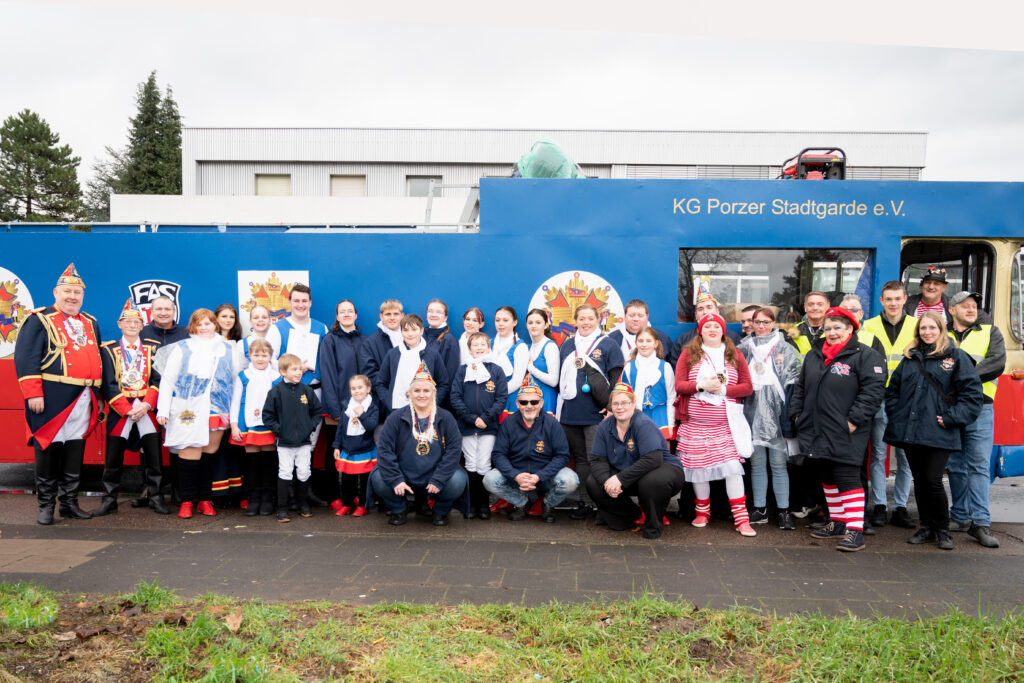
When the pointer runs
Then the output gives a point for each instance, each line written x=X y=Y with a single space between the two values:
x=365 y=561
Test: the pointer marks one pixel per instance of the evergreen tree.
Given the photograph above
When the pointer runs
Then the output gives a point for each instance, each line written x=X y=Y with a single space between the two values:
x=38 y=178
x=152 y=160
x=105 y=173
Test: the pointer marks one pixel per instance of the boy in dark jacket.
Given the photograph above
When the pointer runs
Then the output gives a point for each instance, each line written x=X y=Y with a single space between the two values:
x=479 y=394
x=292 y=413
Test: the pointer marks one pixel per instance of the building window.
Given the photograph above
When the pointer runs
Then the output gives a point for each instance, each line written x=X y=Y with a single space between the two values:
x=771 y=277
x=348 y=186
x=419 y=185
x=273 y=185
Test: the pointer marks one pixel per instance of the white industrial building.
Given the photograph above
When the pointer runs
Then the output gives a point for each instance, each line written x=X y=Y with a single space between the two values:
x=382 y=176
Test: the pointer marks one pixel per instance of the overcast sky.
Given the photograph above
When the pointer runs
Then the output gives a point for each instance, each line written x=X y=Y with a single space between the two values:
x=77 y=63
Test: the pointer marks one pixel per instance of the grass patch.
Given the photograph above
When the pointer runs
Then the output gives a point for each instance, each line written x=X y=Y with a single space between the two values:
x=25 y=606
x=645 y=639
x=151 y=595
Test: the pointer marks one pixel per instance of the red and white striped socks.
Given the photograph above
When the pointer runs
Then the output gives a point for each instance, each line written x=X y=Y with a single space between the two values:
x=739 y=510
x=703 y=509
x=847 y=507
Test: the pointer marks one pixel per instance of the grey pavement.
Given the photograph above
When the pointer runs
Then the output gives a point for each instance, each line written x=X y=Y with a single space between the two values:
x=364 y=561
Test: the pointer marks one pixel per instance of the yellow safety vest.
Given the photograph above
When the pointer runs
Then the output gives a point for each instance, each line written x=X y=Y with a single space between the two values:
x=975 y=344
x=893 y=351
x=803 y=345
x=865 y=337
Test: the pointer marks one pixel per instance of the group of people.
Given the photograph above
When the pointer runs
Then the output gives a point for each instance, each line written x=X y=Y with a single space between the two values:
x=417 y=416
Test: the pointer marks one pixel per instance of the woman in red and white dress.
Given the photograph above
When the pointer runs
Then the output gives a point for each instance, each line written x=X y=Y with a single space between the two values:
x=710 y=374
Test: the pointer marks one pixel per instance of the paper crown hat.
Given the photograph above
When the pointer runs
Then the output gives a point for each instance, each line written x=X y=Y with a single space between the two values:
x=422 y=375
x=70 y=276
x=129 y=312
x=623 y=386
x=529 y=387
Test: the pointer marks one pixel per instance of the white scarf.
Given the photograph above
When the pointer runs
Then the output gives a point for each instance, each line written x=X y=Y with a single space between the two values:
x=709 y=369
x=464 y=355
x=408 y=363
x=628 y=342
x=394 y=335
x=648 y=373
x=499 y=353
x=256 y=393
x=567 y=377
x=476 y=371
x=761 y=356
x=355 y=427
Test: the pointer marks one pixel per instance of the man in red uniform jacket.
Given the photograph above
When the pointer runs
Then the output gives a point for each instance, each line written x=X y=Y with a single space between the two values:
x=57 y=358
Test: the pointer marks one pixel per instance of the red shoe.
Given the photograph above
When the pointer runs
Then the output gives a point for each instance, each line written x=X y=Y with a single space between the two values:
x=537 y=509
x=185 y=511
x=499 y=505
x=360 y=511
x=343 y=510
x=206 y=507
x=336 y=505
x=244 y=504
x=745 y=529
x=701 y=520
x=643 y=518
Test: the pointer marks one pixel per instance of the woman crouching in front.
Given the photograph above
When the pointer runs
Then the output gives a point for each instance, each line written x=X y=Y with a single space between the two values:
x=840 y=389
x=932 y=394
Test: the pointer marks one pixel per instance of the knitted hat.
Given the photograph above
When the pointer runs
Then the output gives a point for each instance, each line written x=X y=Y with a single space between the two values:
x=71 y=277
x=711 y=318
x=839 y=312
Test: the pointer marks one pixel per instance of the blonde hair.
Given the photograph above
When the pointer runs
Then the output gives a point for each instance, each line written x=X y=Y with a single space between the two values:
x=390 y=305
x=286 y=361
x=941 y=344
x=360 y=378
x=257 y=345
x=658 y=351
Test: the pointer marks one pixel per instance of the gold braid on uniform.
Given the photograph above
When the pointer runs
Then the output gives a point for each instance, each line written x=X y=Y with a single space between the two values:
x=56 y=347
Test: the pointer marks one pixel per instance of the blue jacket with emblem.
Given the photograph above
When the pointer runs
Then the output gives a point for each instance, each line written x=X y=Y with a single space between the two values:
x=398 y=460
x=913 y=405
x=471 y=400
x=641 y=451
x=542 y=449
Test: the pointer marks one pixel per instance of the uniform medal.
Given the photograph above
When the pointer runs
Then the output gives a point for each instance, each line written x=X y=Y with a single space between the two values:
x=75 y=330
x=423 y=438
x=579 y=363
x=759 y=367
x=422 y=446
x=132 y=376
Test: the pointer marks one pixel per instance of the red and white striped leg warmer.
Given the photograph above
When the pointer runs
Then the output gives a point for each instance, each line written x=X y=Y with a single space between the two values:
x=853 y=509
x=739 y=510
x=834 y=502
x=703 y=507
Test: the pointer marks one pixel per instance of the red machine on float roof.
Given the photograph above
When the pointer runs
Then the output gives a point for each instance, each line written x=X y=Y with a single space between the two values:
x=815 y=163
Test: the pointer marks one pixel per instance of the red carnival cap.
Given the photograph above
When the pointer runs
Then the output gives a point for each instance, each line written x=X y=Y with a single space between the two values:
x=529 y=387
x=711 y=318
x=840 y=312
x=71 y=277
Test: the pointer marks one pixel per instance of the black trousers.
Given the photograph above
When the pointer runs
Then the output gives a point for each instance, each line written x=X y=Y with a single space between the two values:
x=927 y=465
x=581 y=442
x=353 y=486
x=844 y=477
x=654 y=490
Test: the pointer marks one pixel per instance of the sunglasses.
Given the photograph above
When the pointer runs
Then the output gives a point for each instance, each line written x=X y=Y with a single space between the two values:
x=528 y=403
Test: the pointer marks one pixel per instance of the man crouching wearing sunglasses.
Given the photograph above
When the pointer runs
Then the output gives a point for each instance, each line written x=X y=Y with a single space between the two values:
x=531 y=454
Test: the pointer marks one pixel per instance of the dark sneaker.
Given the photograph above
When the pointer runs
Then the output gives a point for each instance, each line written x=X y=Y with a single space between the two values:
x=548 y=514
x=582 y=511
x=282 y=515
x=878 y=516
x=902 y=518
x=516 y=513
x=759 y=516
x=786 y=521
x=440 y=520
x=852 y=541
x=983 y=534
x=868 y=529
x=955 y=525
x=922 y=535
x=830 y=530
x=397 y=518
x=820 y=524
x=945 y=540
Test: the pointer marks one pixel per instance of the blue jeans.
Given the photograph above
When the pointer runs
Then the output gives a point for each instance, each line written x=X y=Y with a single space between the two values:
x=451 y=492
x=759 y=477
x=901 y=489
x=554 y=489
x=969 y=470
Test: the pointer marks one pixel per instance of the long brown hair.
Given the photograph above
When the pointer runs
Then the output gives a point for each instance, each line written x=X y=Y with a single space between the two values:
x=694 y=350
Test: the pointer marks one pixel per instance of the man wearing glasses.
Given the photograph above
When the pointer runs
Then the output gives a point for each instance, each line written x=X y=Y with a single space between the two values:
x=531 y=454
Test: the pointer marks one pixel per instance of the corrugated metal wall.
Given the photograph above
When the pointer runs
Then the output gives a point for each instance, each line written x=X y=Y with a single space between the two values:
x=207 y=152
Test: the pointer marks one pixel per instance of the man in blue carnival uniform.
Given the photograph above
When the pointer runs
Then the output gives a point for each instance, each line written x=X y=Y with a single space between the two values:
x=57 y=358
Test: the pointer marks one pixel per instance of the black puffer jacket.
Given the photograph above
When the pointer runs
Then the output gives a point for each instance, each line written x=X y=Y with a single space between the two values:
x=826 y=397
x=912 y=405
